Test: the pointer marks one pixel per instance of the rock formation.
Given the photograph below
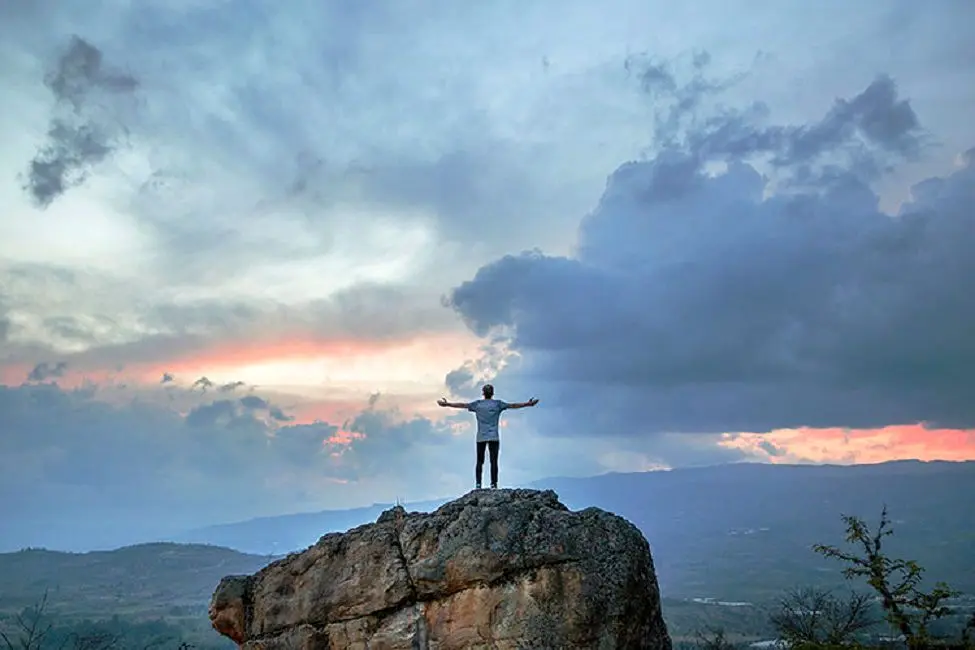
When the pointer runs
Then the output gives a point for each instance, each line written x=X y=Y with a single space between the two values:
x=499 y=569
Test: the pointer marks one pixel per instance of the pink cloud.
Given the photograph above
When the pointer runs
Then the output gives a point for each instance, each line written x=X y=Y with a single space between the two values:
x=839 y=445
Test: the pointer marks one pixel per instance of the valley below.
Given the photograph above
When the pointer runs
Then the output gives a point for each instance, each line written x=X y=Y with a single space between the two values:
x=727 y=543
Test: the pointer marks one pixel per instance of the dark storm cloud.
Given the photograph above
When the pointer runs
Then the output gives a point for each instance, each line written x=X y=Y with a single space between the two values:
x=222 y=412
x=461 y=381
x=237 y=413
x=64 y=160
x=278 y=415
x=254 y=402
x=82 y=131
x=467 y=380
x=167 y=378
x=79 y=70
x=673 y=103
x=865 y=134
x=231 y=386
x=44 y=371
x=695 y=303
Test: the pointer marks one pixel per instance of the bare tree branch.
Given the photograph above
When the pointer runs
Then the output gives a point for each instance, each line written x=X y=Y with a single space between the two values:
x=6 y=641
x=897 y=581
x=708 y=639
x=816 y=616
x=32 y=630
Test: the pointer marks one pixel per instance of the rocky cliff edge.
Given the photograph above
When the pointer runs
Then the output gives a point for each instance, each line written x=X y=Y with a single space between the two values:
x=498 y=569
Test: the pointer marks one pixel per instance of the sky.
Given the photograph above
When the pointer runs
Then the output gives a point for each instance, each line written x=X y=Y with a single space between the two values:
x=245 y=247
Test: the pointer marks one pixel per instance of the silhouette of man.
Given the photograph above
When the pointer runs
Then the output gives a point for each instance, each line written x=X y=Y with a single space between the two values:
x=488 y=413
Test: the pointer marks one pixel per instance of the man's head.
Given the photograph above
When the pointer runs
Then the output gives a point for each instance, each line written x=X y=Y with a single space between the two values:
x=488 y=391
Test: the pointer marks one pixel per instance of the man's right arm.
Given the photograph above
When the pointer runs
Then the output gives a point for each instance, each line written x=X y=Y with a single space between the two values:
x=454 y=405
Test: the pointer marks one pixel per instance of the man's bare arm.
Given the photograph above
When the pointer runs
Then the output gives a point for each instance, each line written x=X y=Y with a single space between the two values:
x=454 y=405
x=521 y=405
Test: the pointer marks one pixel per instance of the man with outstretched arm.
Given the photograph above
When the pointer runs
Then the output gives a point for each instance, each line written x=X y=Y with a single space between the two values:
x=488 y=413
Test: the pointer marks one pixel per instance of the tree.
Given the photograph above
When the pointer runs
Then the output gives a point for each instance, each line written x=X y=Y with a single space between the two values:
x=33 y=631
x=818 y=617
x=31 y=628
x=898 y=582
x=714 y=639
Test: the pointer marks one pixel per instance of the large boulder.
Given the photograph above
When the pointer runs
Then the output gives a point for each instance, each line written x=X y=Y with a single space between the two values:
x=500 y=569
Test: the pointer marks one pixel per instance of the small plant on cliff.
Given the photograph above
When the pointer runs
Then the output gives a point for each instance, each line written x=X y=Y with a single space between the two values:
x=906 y=606
x=817 y=617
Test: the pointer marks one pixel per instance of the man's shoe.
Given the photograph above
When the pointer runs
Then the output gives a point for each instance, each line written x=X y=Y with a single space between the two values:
x=494 y=486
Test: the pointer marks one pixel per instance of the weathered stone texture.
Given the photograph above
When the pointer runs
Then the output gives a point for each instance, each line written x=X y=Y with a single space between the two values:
x=495 y=569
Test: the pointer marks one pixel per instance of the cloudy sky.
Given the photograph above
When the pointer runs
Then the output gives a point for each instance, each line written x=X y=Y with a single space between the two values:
x=245 y=246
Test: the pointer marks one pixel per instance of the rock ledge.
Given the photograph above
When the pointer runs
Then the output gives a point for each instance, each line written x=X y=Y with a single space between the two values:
x=499 y=569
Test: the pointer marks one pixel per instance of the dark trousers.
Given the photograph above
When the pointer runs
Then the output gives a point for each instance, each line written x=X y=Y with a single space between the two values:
x=493 y=447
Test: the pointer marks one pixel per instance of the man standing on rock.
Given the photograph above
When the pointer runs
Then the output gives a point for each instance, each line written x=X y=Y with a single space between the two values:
x=488 y=413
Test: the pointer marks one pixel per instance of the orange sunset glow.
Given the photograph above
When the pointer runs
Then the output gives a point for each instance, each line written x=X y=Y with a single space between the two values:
x=318 y=362
x=330 y=380
x=342 y=437
x=224 y=357
x=293 y=362
x=849 y=446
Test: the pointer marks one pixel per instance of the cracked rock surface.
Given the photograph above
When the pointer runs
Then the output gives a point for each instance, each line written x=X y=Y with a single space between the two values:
x=498 y=569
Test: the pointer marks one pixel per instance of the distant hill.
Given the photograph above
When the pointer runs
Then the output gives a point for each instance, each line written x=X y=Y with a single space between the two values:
x=732 y=532
x=148 y=579
x=285 y=533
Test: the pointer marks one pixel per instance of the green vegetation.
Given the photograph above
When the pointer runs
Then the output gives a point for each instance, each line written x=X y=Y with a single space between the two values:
x=145 y=596
x=919 y=616
x=146 y=580
x=906 y=606
x=36 y=629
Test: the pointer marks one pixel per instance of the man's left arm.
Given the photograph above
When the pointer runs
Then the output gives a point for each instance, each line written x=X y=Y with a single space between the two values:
x=521 y=405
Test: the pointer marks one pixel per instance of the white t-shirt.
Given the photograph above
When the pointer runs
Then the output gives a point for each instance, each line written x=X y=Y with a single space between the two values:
x=488 y=414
